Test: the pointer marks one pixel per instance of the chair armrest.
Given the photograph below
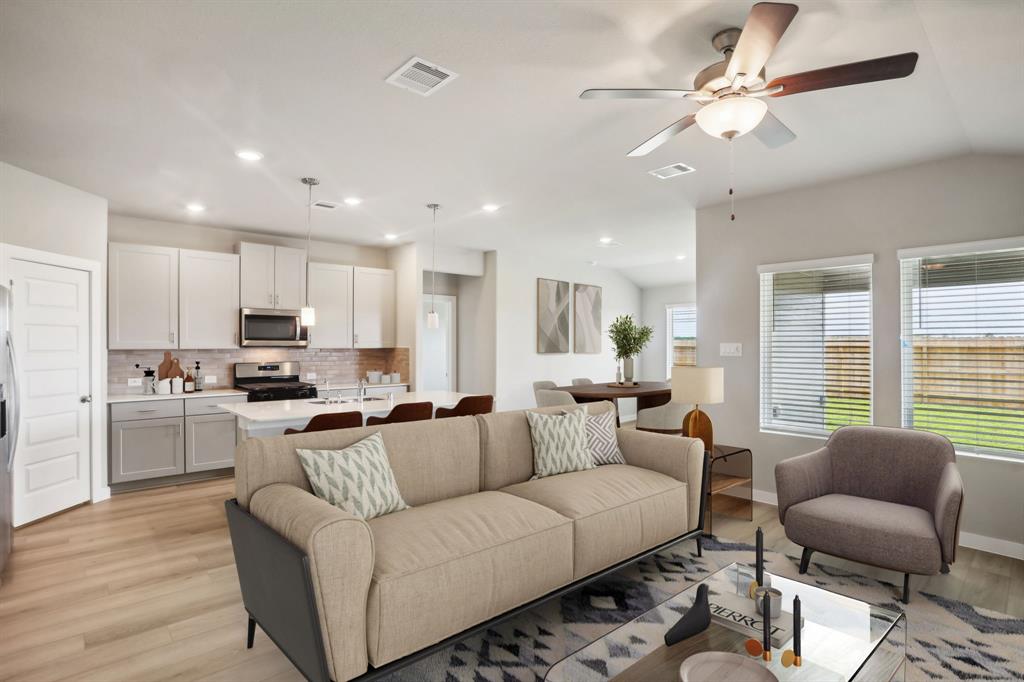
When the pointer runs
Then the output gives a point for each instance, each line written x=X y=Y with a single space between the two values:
x=340 y=551
x=949 y=497
x=802 y=478
x=675 y=456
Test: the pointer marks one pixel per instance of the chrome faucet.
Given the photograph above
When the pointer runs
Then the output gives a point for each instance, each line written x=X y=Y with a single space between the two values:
x=361 y=391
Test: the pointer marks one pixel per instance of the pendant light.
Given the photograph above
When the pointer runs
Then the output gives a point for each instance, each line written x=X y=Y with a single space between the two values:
x=433 y=321
x=307 y=316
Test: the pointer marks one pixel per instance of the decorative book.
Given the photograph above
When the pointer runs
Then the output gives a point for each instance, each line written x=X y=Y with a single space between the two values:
x=740 y=614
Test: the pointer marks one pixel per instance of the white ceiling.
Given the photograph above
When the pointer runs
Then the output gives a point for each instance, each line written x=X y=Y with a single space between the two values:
x=145 y=104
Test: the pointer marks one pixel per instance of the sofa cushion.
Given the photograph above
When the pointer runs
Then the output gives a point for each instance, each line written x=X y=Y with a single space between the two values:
x=617 y=511
x=602 y=441
x=884 y=534
x=442 y=567
x=559 y=443
x=506 y=452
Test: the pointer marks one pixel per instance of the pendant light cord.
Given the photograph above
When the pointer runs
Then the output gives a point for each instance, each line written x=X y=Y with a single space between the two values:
x=433 y=258
x=309 y=231
x=732 y=183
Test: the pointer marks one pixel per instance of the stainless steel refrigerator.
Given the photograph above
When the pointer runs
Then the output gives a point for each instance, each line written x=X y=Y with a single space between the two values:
x=8 y=425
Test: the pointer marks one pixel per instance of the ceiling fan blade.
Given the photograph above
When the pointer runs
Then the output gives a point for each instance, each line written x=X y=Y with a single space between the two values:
x=664 y=136
x=881 y=69
x=638 y=93
x=765 y=25
x=772 y=132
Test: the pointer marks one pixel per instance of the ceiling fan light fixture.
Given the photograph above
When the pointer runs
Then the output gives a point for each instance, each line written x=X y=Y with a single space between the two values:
x=731 y=117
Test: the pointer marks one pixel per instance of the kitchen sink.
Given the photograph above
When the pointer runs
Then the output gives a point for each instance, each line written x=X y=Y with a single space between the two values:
x=346 y=400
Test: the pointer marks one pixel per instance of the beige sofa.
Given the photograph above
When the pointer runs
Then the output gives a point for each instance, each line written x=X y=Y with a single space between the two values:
x=480 y=538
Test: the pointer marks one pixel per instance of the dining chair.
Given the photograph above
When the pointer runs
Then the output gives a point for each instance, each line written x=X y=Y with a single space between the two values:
x=406 y=412
x=583 y=381
x=549 y=398
x=330 y=422
x=542 y=386
x=470 y=405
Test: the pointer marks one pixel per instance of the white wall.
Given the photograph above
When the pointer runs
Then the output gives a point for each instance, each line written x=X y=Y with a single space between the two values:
x=963 y=199
x=654 y=359
x=478 y=321
x=207 y=238
x=518 y=362
x=408 y=288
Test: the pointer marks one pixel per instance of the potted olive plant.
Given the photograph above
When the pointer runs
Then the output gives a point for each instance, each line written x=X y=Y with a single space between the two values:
x=628 y=340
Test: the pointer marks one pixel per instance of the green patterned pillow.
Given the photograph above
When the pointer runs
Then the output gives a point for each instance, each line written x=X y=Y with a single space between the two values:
x=559 y=443
x=357 y=479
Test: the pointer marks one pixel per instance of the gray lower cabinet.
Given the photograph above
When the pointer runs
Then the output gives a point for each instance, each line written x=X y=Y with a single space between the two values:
x=147 y=448
x=209 y=442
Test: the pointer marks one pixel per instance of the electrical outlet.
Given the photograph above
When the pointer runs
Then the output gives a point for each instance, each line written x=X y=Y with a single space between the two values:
x=310 y=376
x=210 y=380
x=136 y=381
x=730 y=350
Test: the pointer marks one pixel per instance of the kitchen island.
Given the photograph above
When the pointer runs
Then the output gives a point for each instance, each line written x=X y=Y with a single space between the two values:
x=271 y=418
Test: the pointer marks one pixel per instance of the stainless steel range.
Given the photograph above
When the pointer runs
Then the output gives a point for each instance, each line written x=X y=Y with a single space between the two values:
x=272 y=381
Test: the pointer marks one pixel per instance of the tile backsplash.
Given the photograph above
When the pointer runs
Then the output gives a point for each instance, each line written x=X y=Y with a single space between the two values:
x=336 y=365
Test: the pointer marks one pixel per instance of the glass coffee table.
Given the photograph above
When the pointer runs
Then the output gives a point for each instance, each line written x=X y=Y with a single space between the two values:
x=842 y=638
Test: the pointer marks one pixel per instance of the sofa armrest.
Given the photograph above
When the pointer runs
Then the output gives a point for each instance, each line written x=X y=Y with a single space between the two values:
x=340 y=551
x=675 y=456
x=802 y=478
x=949 y=496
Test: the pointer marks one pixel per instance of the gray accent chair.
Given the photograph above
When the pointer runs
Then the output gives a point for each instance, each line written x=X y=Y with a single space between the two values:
x=582 y=381
x=882 y=496
x=548 y=398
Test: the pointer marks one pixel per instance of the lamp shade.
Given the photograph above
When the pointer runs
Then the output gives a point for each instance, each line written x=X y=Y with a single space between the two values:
x=698 y=385
x=731 y=117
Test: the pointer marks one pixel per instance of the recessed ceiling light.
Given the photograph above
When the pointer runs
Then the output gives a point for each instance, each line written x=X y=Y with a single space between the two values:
x=195 y=208
x=592 y=262
x=490 y=208
x=681 y=256
x=391 y=237
x=248 y=155
x=606 y=240
x=353 y=201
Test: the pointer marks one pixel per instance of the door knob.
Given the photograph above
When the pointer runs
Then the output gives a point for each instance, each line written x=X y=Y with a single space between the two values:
x=85 y=399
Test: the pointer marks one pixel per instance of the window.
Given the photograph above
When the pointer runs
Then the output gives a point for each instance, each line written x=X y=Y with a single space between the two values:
x=962 y=344
x=816 y=345
x=681 y=349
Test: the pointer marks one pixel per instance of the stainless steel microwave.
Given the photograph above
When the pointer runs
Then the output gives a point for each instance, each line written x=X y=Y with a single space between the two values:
x=270 y=327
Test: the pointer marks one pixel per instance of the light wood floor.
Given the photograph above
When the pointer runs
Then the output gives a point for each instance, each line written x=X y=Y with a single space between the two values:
x=143 y=587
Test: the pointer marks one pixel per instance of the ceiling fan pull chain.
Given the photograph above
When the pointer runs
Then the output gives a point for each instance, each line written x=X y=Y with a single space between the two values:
x=732 y=183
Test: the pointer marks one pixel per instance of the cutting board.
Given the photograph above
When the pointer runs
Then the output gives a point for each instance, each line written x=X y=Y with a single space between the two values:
x=175 y=370
x=164 y=367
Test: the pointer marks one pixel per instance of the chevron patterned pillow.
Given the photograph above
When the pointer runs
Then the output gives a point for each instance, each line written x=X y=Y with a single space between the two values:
x=602 y=442
x=357 y=479
x=559 y=443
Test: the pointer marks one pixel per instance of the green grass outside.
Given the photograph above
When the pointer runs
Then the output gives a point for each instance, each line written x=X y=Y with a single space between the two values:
x=987 y=427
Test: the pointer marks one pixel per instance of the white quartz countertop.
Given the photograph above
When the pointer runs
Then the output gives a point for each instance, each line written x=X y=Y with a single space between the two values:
x=205 y=393
x=301 y=411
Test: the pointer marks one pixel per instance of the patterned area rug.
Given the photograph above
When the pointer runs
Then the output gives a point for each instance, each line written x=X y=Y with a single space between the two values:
x=947 y=639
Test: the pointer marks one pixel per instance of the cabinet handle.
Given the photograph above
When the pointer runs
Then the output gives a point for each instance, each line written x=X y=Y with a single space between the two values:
x=277 y=299
x=172 y=337
x=181 y=431
x=145 y=411
x=270 y=299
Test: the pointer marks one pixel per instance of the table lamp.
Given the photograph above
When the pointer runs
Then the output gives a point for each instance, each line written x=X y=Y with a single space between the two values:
x=698 y=386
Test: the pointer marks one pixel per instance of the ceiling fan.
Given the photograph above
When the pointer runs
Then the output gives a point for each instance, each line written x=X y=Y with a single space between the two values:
x=731 y=92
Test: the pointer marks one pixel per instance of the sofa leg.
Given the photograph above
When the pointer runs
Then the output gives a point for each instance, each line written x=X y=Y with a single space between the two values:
x=945 y=568
x=805 y=559
x=906 y=588
x=252 y=633
x=700 y=547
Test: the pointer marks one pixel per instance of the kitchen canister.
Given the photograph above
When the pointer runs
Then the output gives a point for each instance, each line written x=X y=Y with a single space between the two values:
x=163 y=387
x=385 y=378
x=374 y=376
x=177 y=385
x=396 y=378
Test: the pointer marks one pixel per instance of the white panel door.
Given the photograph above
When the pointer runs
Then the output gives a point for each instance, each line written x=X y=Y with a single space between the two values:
x=439 y=345
x=257 y=275
x=373 y=308
x=50 y=331
x=142 y=296
x=330 y=294
x=289 y=278
x=208 y=285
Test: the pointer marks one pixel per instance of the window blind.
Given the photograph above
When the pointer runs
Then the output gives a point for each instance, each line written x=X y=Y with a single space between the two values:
x=962 y=346
x=816 y=348
x=682 y=346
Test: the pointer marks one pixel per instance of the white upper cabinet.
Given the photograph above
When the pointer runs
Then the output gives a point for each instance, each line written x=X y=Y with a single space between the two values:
x=289 y=278
x=272 y=276
x=257 y=275
x=373 y=308
x=330 y=294
x=142 y=296
x=208 y=285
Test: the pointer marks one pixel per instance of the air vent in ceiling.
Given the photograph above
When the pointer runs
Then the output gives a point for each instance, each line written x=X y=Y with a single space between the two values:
x=325 y=205
x=422 y=77
x=671 y=171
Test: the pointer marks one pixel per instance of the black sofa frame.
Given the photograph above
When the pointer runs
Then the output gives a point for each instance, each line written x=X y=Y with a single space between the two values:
x=277 y=591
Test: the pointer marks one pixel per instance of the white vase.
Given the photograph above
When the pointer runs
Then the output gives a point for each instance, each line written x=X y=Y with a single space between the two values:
x=627 y=370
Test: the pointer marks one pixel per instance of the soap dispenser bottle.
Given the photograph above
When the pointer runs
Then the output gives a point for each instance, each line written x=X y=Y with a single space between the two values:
x=197 y=374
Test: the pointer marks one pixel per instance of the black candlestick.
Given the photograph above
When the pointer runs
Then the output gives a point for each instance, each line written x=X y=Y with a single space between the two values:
x=759 y=558
x=766 y=613
x=796 y=630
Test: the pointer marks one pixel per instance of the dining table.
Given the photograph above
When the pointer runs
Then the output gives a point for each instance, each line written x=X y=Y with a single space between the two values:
x=647 y=393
